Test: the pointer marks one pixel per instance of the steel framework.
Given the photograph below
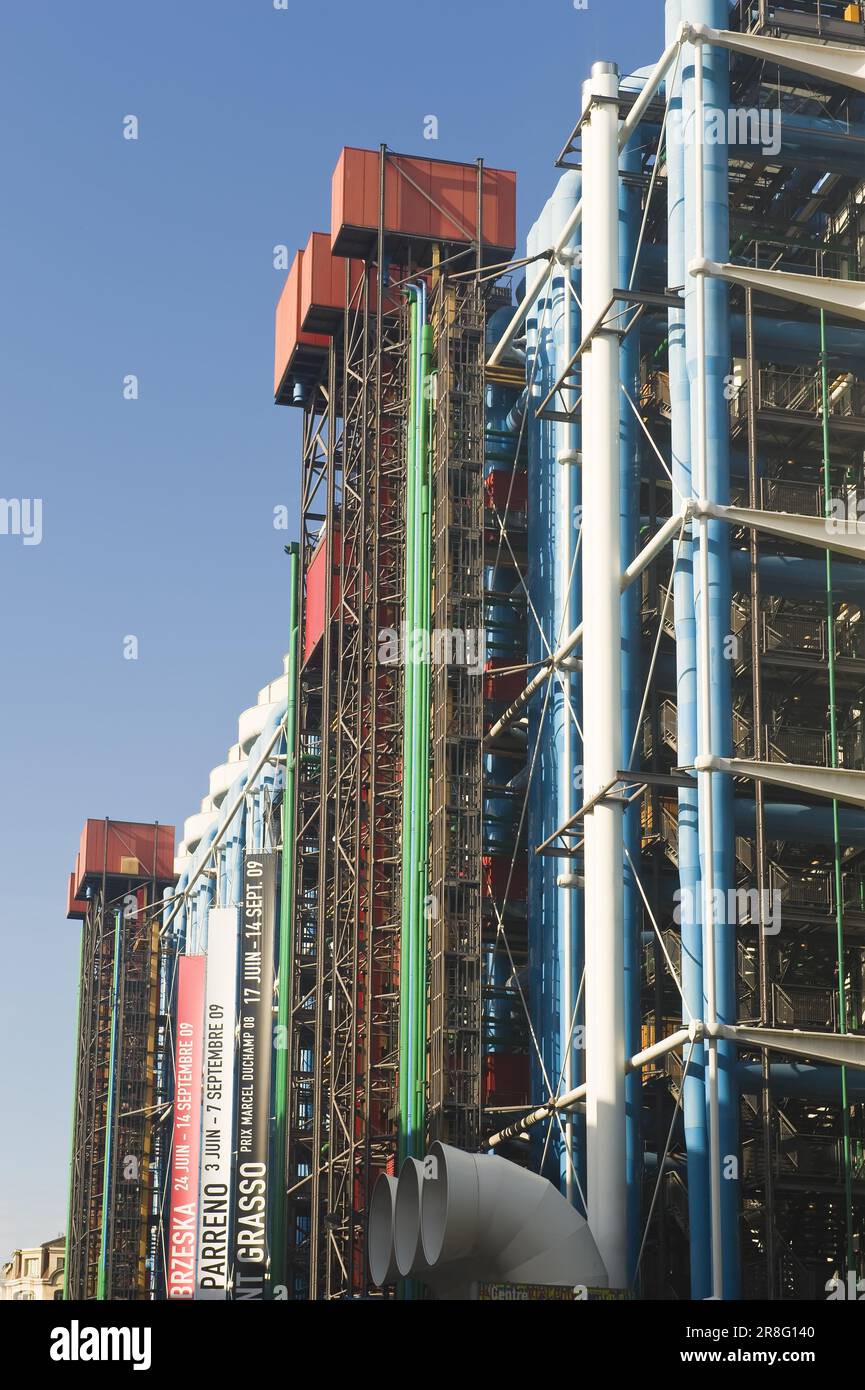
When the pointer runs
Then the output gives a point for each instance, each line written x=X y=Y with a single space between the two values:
x=112 y=1192
x=345 y=988
x=457 y=713
x=319 y=467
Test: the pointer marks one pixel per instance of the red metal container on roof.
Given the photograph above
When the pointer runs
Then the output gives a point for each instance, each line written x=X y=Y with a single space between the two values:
x=123 y=849
x=432 y=200
x=75 y=907
x=295 y=350
x=322 y=287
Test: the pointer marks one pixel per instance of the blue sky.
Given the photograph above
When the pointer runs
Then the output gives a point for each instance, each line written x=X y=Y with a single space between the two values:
x=155 y=258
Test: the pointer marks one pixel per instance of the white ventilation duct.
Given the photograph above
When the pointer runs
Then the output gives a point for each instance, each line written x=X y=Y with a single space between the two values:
x=407 y=1243
x=382 y=1207
x=407 y=1218
x=459 y=1218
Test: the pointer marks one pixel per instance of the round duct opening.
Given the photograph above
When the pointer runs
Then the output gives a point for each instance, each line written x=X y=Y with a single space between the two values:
x=406 y=1225
x=435 y=1208
x=382 y=1259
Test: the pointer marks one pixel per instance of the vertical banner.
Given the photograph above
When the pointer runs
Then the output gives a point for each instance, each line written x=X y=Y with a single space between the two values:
x=217 y=1124
x=186 y=1135
x=255 y=1047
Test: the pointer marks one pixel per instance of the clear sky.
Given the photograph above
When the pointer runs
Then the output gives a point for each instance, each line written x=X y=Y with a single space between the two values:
x=154 y=257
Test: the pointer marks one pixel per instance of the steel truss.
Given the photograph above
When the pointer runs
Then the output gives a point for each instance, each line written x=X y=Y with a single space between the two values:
x=345 y=992
x=320 y=476
x=458 y=319
x=117 y=1059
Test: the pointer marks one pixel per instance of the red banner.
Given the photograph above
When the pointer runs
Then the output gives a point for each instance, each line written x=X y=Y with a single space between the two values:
x=186 y=1141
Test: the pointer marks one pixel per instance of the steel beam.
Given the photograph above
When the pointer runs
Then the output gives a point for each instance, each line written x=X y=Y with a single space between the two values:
x=831 y=62
x=843 y=297
x=838 y=784
x=842 y=1049
x=842 y=536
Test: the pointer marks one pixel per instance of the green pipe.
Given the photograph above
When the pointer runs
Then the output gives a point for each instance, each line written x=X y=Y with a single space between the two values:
x=416 y=1070
x=66 y=1257
x=424 y=604
x=286 y=922
x=833 y=725
x=109 y=1115
x=405 y=1020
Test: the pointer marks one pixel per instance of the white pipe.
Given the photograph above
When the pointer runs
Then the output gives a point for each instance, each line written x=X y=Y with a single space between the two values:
x=673 y=1043
x=537 y=682
x=704 y=689
x=380 y=1245
x=635 y=115
x=654 y=547
x=602 y=724
x=647 y=95
x=565 y=551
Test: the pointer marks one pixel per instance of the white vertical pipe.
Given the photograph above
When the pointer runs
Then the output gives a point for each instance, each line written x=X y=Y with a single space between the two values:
x=704 y=693
x=566 y=483
x=601 y=560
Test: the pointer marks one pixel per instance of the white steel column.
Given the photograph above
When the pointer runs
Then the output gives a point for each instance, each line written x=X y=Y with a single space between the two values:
x=601 y=561
x=566 y=480
x=704 y=696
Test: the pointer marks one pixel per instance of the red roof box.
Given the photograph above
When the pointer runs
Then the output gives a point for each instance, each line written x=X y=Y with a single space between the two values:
x=123 y=849
x=425 y=200
x=75 y=907
x=322 y=285
x=297 y=354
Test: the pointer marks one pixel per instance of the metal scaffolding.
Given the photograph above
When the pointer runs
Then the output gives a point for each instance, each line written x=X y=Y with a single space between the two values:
x=457 y=719
x=347 y=902
x=319 y=467
x=798 y=667
x=111 y=1213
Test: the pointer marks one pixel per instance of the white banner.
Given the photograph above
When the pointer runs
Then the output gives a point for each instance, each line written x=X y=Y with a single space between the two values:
x=217 y=1108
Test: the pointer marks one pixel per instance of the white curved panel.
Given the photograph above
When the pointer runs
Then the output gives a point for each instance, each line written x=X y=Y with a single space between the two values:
x=223 y=777
x=196 y=827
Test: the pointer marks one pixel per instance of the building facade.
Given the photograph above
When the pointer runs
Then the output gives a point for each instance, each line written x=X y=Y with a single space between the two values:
x=35 y=1273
